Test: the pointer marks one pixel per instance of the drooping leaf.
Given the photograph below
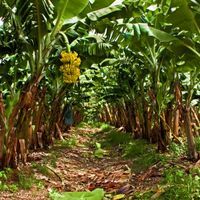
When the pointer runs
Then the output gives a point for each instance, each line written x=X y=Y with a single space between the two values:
x=33 y=17
x=161 y=35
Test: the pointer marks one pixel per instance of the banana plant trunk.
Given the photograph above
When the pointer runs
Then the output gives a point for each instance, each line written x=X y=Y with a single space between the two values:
x=56 y=113
x=192 y=152
x=2 y=129
x=18 y=125
x=178 y=97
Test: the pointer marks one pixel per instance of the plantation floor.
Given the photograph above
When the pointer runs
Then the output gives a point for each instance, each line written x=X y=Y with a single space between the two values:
x=79 y=164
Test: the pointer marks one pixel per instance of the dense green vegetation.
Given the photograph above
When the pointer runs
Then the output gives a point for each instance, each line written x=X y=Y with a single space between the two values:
x=129 y=64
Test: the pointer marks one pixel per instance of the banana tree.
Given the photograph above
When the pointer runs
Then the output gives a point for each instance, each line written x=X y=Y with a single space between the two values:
x=155 y=39
x=188 y=14
x=37 y=25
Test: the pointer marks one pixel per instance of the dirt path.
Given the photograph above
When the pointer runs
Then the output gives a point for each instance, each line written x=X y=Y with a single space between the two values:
x=85 y=160
x=73 y=166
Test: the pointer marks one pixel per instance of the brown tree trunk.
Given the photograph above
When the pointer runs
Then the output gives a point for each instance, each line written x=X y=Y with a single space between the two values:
x=178 y=97
x=2 y=129
x=109 y=115
x=145 y=131
x=18 y=122
x=59 y=132
x=176 y=122
x=197 y=122
x=161 y=134
x=131 y=119
x=192 y=152
x=55 y=111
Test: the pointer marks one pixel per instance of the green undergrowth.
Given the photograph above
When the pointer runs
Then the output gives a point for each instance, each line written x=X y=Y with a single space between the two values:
x=52 y=158
x=140 y=151
x=180 y=149
x=41 y=168
x=177 y=184
x=27 y=180
x=5 y=183
x=143 y=154
x=181 y=184
x=66 y=143
x=13 y=180
x=91 y=124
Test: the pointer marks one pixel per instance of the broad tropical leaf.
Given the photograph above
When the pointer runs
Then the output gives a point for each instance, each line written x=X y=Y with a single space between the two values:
x=95 y=5
x=67 y=9
x=94 y=16
x=96 y=194
x=182 y=16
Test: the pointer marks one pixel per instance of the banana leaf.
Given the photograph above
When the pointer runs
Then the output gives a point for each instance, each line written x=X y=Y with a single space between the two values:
x=96 y=194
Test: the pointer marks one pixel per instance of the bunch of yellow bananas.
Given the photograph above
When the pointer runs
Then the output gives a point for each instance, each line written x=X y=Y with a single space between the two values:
x=70 y=67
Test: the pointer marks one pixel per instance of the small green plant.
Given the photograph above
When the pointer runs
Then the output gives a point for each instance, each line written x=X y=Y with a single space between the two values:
x=26 y=181
x=99 y=152
x=146 y=195
x=3 y=175
x=118 y=138
x=5 y=185
x=143 y=154
x=68 y=143
x=181 y=185
x=3 y=179
x=41 y=168
x=105 y=127
x=13 y=187
x=177 y=149
x=136 y=148
x=53 y=159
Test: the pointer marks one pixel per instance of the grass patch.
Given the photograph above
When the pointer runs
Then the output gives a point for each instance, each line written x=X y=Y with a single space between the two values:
x=177 y=149
x=5 y=183
x=181 y=185
x=27 y=180
x=41 y=169
x=12 y=181
x=67 y=143
x=52 y=158
x=92 y=124
x=116 y=138
x=177 y=184
x=105 y=127
x=144 y=195
x=143 y=154
x=140 y=151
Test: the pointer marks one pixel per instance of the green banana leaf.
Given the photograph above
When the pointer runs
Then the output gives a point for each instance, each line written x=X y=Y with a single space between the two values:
x=96 y=194
x=68 y=9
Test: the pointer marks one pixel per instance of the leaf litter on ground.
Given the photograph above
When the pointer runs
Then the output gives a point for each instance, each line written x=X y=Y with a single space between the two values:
x=74 y=168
